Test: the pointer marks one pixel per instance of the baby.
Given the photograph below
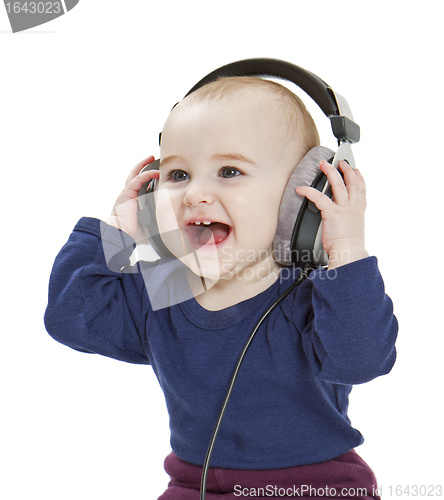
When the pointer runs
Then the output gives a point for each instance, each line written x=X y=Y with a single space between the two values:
x=227 y=152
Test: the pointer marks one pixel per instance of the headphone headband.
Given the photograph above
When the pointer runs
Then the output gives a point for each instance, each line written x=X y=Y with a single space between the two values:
x=316 y=88
x=344 y=128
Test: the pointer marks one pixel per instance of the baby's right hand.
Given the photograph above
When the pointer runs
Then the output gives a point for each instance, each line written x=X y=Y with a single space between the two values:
x=124 y=214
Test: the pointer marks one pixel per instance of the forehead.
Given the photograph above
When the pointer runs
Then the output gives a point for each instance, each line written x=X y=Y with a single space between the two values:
x=249 y=119
x=251 y=101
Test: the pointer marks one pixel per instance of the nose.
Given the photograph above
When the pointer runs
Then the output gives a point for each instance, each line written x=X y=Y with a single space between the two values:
x=197 y=192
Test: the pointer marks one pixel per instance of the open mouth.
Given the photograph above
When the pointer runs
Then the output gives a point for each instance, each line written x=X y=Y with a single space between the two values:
x=201 y=233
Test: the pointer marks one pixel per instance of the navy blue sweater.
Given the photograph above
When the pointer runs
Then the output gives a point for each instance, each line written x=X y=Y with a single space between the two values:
x=289 y=405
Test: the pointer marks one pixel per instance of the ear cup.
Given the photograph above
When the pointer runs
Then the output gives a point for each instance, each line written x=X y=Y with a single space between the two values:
x=147 y=214
x=297 y=238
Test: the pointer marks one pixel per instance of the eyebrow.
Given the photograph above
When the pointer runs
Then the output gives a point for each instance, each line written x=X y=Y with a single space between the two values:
x=169 y=159
x=233 y=156
x=217 y=157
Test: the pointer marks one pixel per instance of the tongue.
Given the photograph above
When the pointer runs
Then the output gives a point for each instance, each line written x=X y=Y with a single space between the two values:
x=216 y=230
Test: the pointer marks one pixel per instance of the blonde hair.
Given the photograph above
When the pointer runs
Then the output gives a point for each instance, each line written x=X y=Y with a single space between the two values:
x=297 y=120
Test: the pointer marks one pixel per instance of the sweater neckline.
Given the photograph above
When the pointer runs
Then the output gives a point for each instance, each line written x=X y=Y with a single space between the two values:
x=223 y=318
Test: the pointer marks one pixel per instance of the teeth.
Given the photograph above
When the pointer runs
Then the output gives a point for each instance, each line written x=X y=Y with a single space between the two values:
x=205 y=222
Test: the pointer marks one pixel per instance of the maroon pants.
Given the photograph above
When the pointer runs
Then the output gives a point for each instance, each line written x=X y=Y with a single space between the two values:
x=345 y=477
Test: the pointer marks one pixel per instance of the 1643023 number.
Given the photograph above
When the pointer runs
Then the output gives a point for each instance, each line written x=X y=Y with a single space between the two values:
x=34 y=7
x=414 y=490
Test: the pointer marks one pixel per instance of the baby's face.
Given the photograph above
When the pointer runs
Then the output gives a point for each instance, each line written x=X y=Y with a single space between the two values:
x=225 y=162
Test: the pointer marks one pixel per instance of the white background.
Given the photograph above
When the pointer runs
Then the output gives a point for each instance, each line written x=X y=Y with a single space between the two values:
x=83 y=98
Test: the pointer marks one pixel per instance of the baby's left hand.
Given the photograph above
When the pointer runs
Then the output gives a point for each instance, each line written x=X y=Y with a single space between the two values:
x=343 y=236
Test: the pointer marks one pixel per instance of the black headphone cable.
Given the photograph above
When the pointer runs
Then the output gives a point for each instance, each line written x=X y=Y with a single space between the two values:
x=303 y=275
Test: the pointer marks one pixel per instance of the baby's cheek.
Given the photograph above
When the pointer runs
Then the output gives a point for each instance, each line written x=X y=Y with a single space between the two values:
x=260 y=232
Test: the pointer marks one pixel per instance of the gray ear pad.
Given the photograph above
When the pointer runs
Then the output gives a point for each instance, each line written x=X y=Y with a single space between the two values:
x=291 y=203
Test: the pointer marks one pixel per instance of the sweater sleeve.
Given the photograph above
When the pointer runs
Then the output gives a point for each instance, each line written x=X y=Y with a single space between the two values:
x=92 y=305
x=350 y=334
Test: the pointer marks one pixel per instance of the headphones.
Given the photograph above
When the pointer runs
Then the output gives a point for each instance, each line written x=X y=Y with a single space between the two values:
x=298 y=235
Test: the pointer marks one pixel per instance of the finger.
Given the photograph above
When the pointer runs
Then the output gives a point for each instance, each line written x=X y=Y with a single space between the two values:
x=362 y=188
x=137 y=168
x=321 y=201
x=351 y=182
x=340 y=193
x=132 y=188
x=361 y=181
x=137 y=182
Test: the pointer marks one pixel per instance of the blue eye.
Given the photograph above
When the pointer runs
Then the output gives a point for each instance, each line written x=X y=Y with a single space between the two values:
x=177 y=175
x=229 y=172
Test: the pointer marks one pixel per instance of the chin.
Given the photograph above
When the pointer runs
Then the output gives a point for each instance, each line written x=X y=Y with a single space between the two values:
x=203 y=267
